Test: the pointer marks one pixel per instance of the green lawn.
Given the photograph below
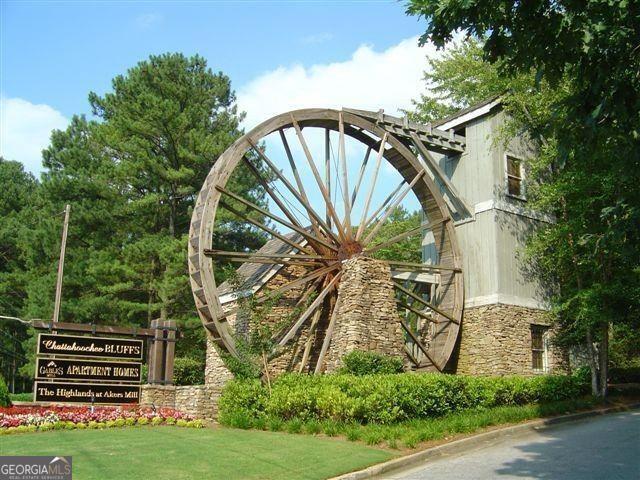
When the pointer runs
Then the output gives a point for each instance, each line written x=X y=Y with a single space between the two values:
x=184 y=453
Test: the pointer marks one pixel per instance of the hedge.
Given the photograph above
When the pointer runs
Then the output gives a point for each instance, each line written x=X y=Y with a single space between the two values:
x=384 y=399
x=360 y=362
x=188 y=371
x=5 y=401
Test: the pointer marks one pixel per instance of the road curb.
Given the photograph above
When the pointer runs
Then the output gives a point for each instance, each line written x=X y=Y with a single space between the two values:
x=474 y=442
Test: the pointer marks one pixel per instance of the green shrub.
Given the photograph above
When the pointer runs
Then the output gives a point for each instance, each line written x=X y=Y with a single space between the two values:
x=188 y=371
x=382 y=399
x=143 y=421
x=5 y=401
x=170 y=421
x=21 y=397
x=359 y=362
x=156 y=420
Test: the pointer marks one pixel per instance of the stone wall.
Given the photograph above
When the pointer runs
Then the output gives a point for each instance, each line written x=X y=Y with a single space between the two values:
x=496 y=340
x=201 y=401
x=367 y=316
x=216 y=374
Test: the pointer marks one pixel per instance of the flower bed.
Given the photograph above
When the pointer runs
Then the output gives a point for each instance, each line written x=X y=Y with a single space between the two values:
x=31 y=419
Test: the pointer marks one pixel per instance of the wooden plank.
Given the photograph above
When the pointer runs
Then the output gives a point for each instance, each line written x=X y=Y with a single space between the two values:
x=384 y=204
x=89 y=328
x=327 y=168
x=363 y=167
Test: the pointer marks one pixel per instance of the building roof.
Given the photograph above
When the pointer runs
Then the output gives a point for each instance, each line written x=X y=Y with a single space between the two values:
x=467 y=114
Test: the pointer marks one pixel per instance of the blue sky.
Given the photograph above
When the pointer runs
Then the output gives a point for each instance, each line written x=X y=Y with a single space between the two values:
x=278 y=54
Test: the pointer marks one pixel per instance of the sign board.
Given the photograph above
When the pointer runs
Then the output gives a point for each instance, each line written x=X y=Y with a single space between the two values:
x=81 y=369
x=63 y=392
x=77 y=346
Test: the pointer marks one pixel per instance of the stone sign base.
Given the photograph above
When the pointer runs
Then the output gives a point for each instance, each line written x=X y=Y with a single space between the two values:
x=201 y=401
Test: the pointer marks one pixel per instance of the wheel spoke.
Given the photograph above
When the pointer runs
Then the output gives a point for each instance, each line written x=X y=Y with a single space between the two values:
x=419 y=343
x=286 y=287
x=327 y=336
x=392 y=207
x=363 y=167
x=402 y=236
x=411 y=266
x=250 y=255
x=315 y=304
x=278 y=219
x=417 y=298
x=372 y=186
x=319 y=181
x=327 y=168
x=270 y=231
x=345 y=178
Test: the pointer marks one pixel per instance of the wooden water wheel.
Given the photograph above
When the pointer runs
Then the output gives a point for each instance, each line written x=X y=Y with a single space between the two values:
x=326 y=203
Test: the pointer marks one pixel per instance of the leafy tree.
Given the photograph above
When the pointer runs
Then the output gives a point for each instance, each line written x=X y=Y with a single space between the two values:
x=407 y=250
x=584 y=113
x=18 y=189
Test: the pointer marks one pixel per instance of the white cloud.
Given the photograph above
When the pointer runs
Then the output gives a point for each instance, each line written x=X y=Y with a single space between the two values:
x=369 y=80
x=25 y=130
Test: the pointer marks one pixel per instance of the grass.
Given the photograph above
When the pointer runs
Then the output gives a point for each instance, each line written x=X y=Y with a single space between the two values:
x=411 y=433
x=181 y=453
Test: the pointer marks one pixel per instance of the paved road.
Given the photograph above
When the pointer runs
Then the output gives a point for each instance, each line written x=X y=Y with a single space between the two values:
x=602 y=448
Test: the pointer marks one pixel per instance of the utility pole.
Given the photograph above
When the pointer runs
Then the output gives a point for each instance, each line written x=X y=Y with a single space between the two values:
x=56 y=308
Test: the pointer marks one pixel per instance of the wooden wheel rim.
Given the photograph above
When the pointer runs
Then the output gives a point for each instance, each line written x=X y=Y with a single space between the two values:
x=201 y=268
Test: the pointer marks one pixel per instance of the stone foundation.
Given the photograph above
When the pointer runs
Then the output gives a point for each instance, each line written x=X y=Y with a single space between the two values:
x=367 y=316
x=201 y=401
x=216 y=374
x=496 y=340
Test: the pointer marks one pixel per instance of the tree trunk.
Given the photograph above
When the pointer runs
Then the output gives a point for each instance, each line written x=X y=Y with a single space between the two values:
x=604 y=360
x=594 y=365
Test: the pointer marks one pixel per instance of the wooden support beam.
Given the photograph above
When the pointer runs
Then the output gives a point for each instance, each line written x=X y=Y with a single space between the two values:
x=301 y=195
x=435 y=168
x=409 y=353
x=310 y=340
x=417 y=312
x=292 y=218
